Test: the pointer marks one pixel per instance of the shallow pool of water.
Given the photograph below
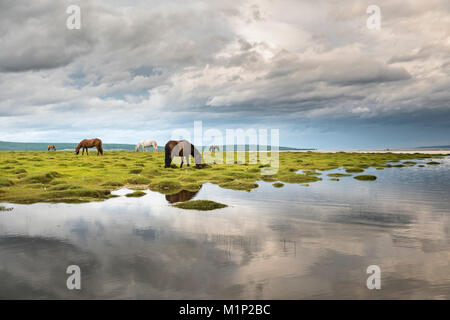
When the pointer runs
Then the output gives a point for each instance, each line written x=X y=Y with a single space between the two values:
x=295 y=242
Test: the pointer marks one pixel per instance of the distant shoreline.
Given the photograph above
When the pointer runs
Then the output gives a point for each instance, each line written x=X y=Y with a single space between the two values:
x=42 y=146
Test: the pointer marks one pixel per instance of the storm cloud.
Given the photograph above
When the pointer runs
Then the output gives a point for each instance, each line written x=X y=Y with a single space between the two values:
x=143 y=68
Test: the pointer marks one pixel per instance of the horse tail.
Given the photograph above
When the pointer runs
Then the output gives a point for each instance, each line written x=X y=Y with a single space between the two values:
x=168 y=158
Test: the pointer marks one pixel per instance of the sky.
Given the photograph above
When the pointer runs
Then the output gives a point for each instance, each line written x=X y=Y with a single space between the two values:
x=314 y=70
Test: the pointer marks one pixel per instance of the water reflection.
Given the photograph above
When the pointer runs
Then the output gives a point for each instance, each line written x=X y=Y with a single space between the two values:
x=294 y=242
x=183 y=195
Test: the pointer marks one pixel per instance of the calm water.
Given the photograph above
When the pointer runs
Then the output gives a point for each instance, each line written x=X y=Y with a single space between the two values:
x=296 y=242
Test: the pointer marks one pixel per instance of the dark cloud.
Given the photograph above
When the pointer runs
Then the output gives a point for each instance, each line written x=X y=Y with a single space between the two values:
x=138 y=65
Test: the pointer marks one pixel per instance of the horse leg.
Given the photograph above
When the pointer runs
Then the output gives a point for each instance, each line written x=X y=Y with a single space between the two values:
x=87 y=151
x=82 y=152
x=182 y=158
x=187 y=160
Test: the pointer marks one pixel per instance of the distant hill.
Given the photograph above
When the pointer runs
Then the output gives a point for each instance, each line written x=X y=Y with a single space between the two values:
x=36 y=146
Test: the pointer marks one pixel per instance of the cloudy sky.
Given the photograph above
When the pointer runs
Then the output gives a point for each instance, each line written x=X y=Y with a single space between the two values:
x=312 y=69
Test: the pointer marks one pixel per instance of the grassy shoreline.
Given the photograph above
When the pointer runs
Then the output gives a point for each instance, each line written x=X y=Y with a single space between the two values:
x=41 y=176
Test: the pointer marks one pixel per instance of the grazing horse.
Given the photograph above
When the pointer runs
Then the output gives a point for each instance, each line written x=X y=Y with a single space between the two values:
x=175 y=148
x=147 y=143
x=213 y=148
x=51 y=147
x=90 y=143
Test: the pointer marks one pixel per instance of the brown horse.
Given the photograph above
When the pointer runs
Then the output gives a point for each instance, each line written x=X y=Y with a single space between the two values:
x=89 y=143
x=175 y=148
x=51 y=147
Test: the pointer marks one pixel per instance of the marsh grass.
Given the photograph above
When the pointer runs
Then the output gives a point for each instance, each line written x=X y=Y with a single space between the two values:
x=63 y=177
x=135 y=194
x=365 y=177
x=354 y=170
x=203 y=205
x=337 y=175
x=278 y=185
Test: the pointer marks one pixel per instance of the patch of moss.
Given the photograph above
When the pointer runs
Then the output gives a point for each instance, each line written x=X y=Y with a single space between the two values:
x=138 y=180
x=278 y=184
x=165 y=186
x=245 y=185
x=312 y=173
x=78 y=193
x=113 y=183
x=354 y=170
x=297 y=178
x=433 y=163
x=63 y=187
x=365 y=177
x=268 y=178
x=3 y=208
x=336 y=175
x=135 y=194
x=203 y=205
x=135 y=170
x=45 y=177
x=5 y=182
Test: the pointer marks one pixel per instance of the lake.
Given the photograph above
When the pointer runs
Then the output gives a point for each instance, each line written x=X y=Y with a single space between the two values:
x=296 y=242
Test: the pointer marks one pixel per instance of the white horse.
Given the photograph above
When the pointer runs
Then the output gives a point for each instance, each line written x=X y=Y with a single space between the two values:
x=147 y=143
x=213 y=148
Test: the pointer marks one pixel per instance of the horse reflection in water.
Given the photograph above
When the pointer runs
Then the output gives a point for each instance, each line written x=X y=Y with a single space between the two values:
x=181 y=196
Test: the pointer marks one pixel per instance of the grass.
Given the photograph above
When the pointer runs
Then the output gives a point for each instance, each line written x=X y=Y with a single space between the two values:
x=135 y=194
x=433 y=163
x=365 y=177
x=278 y=185
x=40 y=176
x=354 y=170
x=2 y=208
x=203 y=205
x=338 y=175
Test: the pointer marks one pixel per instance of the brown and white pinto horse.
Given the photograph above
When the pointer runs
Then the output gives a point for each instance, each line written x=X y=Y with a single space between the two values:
x=89 y=143
x=51 y=147
x=183 y=149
